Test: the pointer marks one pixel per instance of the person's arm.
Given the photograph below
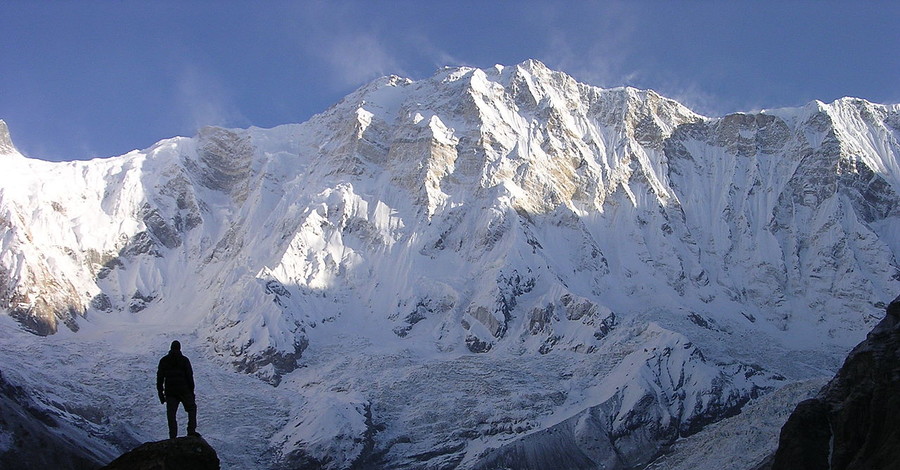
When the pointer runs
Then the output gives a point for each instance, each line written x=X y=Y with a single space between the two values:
x=190 y=374
x=160 y=379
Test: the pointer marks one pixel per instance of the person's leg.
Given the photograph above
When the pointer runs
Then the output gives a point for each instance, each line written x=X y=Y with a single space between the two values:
x=190 y=405
x=171 y=410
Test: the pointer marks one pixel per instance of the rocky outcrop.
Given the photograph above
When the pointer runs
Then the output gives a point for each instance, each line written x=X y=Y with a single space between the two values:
x=223 y=163
x=184 y=453
x=854 y=422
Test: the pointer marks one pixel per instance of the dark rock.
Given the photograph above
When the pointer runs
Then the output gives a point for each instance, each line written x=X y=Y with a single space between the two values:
x=854 y=422
x=277 y=288
x=477 y=345
x=141 y=243
x=807 y=448
x=282 y=361
x=159 y=228
x=183 y=453
x=139 y=301
x=422 y=311
x=223 y=162
x=102 y=303
x=539 y=319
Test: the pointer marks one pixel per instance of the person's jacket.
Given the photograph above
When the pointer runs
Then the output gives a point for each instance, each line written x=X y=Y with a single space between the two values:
x=174 y=375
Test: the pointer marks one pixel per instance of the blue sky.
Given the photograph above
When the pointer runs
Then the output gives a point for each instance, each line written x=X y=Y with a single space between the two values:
x=84 y=79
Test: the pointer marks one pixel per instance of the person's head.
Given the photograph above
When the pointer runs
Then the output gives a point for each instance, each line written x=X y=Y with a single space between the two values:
x=176 y=346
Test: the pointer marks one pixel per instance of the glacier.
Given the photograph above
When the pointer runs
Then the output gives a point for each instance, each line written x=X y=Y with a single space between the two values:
x=488 y=268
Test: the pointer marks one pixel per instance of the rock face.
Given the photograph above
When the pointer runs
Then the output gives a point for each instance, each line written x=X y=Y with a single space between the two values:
x=854 y=422
x=184 y=453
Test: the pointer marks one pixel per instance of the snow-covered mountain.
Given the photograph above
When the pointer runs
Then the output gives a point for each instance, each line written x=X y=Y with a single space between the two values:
x=492 y=268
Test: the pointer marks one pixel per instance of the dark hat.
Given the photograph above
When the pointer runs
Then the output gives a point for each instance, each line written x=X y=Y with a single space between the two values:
x=176 y=346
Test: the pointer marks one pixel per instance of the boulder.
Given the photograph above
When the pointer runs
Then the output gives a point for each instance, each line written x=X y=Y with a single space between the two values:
x=183 y=453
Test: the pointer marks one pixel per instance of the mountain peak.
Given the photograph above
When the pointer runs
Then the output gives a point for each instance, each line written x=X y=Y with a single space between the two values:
x=533 y=65
x=6 y=144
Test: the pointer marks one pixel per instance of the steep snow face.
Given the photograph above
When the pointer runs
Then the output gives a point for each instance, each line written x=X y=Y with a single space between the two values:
x=456 y=271
x=793 y=214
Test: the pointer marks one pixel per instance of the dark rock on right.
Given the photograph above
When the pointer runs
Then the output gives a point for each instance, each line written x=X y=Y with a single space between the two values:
x=854 y=422
x=183 y=453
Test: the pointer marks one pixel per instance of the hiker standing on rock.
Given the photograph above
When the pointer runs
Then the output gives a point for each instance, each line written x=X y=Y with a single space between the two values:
x=175 y=384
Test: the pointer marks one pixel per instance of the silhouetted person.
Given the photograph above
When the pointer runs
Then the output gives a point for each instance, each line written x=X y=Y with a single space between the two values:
x=175 y=384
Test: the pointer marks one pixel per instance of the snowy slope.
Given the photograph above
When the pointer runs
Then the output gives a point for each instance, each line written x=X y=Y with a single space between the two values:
x=483 y=268
x=741 y=441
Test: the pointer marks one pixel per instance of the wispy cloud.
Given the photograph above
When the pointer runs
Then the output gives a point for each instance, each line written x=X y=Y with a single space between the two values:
x=437 y=56
x=603 y=55
x=614 y=53
x=358 y=56
x=599 y=64
x=203 y=100
x=350 y=49
x=697 y=99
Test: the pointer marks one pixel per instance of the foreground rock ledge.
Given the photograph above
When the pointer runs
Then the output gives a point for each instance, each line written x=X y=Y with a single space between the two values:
x=183 y=453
